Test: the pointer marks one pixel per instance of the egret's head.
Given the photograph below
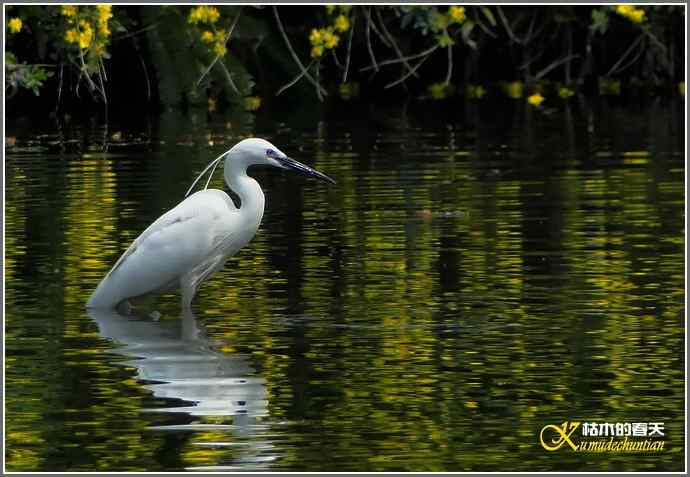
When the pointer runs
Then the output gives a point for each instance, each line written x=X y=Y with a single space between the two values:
x=259 y=152
x=256 y=152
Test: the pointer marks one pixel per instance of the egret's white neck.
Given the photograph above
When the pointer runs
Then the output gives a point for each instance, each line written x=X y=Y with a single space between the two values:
x=247 y=189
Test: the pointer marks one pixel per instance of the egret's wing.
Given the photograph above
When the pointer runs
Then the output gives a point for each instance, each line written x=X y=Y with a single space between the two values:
x=184 y=240
x=162 y=224
x=221 y=249
x=179 y=223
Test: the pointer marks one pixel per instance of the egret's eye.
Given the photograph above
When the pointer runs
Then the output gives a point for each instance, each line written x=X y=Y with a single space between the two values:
x=270 y=153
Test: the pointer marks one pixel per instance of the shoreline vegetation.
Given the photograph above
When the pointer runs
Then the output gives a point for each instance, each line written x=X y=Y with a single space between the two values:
x=70 y=57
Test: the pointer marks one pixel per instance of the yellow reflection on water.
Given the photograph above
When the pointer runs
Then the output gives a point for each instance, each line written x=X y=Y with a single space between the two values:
x=429 y=313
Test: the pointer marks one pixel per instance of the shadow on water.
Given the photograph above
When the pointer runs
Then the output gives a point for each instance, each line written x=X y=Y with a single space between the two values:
x=175 y=361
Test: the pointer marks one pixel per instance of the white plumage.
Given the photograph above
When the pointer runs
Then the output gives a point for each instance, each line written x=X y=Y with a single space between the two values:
x=189 y=243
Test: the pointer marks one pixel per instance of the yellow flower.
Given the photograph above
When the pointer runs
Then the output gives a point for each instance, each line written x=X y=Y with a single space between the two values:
x=14 y=25
x=203 y=14
x=219 y=49
x=69 y=10
x=342 y=23
x=211 y=104
x=438 y=90
x=536 y=99
x=316 y=37
x=330 y=9
x=71 y=36
x=565 y=92
x=457 y=14
x=207 y=37
x=252 y=103
x=220 y=35
x=212 y=14
x=317 y=51
x=514 y=89
x=85 y=38
x=635 y=15
x=330 y=40
x=103 y=29
x=194 y=16
x=475 y=91
x=349 y=90
x=609 y=87
x=624 y=9
x=104 y=12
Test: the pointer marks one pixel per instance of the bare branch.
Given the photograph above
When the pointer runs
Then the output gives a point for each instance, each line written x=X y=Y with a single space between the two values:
x=449 y=73
x=336 y=60
x=138 y=32
x=570 y=52
x=102 y=90
x=541 y=29
x=83 y=72
x=411 y=72
x=531 y=60
x=367 y=13
x=318 y=80
x=218 y=57
x=504 y=20
x=398 y=60
x=528 y=35
x=394 y=45
x=102 y=66
x=632 y=61
x=349 y=47
x=479 y=22
x=376 y=30
x=555 y=64
x=228 y=76
x=627 y=52
x=146 y=76
x=654 y=39
x=59 y=91
x=294 y=81
x=319 y=90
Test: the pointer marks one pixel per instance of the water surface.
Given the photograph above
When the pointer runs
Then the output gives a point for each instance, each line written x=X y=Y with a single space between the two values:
x=477 y=273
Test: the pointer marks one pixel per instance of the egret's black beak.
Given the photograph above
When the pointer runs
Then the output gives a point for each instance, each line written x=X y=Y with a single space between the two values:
x=305 y=170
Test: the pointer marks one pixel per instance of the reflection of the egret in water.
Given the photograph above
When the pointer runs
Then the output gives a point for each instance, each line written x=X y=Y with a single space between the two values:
x=174 y=360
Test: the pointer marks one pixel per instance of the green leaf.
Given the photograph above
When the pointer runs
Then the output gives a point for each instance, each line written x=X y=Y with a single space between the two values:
x=600 y=20
x=444 y=40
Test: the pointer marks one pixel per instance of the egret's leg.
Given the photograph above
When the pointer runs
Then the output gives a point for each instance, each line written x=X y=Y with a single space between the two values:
x=188 y=291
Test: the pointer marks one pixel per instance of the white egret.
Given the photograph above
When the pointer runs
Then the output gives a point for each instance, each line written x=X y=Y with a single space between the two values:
x=189 y=243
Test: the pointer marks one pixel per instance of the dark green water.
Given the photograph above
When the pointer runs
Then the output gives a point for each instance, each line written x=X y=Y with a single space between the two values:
x=477 y=274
